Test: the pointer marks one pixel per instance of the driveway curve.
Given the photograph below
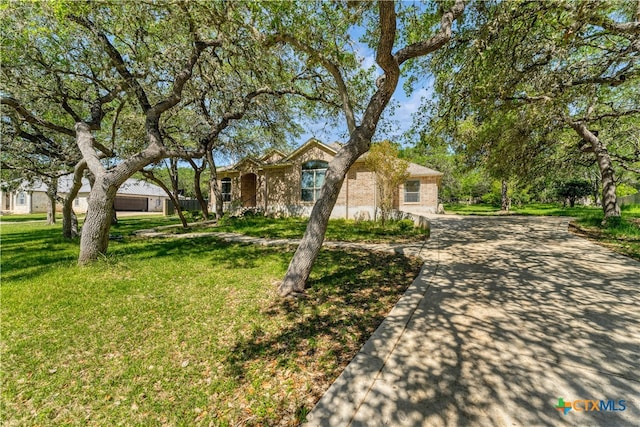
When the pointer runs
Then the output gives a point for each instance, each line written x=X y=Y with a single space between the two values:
x=509 y=315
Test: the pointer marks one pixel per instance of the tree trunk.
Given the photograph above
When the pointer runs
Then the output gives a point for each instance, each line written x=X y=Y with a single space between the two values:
x=196 y=187
x=172 y=195
x=175 y=187
x=360 y=137
x=609 y=200
x=52 y=192
x=94 y=239
x=504 y=196
x=595 y=186
x=214 y=190
x=69 y=218
x=300 y=266
x=114 y=214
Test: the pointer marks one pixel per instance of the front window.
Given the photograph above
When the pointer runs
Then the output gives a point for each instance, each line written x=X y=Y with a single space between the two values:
x=226 y=189
x=22 y=199
x=312 y=179
x=412 y=191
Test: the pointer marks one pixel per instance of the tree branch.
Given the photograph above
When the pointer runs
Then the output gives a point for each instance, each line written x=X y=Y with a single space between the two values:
x=86 y=141
x=438 y=40
x=181 y=79
x=117 y=60
x=384 y=56
x=624 y=163
x=30 y=118
x=613 y=114
x=332 y=68
x=630 y=28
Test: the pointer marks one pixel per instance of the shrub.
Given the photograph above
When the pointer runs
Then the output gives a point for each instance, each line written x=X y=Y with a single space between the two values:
x=573 y=190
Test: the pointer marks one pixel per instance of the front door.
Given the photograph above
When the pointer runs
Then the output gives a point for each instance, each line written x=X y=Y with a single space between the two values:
x=248 y=190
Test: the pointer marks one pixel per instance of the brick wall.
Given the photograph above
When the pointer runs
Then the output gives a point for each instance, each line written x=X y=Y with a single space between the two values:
x=279 y=188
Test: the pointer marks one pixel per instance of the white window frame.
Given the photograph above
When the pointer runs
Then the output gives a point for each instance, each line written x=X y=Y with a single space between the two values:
x=21 y=199
x=316 y=187
x=409 y=196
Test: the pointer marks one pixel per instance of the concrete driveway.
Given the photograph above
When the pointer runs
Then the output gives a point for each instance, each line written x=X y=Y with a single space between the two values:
x=509 y=315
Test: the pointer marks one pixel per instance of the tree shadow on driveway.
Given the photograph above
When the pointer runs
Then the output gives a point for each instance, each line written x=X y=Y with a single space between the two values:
x=516 y=314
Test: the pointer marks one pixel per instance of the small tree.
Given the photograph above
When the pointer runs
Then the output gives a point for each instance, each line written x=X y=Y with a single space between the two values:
x=573 y=190
x=390 y=171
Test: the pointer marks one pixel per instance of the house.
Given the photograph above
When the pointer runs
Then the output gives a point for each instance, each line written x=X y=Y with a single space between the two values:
x=290 y=184
x=133 y=195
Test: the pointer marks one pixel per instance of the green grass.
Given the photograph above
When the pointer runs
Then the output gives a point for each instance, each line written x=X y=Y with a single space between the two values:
x=26 y=217
x=338 y=229
x=178 y=331
x=622 y=236
x=537 y=209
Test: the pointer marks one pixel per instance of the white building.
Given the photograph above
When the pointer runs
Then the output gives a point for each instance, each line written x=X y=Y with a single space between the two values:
x=133 y=195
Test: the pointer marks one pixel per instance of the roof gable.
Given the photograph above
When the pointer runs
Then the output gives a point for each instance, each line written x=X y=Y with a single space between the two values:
x=272 y=156
x=418 y=170
x=311 y=143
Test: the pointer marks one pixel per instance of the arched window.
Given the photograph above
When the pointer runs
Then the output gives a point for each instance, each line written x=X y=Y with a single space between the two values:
x=22 y=199
x=226 y=189
x=313 y=173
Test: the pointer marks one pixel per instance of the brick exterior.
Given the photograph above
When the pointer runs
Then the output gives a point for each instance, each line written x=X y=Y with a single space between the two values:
x=278 y=185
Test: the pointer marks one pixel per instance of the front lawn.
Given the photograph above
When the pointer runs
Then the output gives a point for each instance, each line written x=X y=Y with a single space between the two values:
x=26 y=217
x=338 y=229
x=178 y=332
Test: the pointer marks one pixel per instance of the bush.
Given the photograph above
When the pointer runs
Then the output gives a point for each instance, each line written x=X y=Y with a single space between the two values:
x=623 y=190
x=573 y=190
x=405 y=225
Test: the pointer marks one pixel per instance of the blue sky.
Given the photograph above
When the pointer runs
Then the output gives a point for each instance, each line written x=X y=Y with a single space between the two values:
x=400 y=116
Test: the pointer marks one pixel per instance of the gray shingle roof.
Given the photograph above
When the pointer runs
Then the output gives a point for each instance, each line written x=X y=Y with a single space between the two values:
x=131 y=187
x=417 y=170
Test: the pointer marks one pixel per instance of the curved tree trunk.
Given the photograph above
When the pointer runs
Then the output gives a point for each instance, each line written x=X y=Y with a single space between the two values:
x=196 y=187
x=300 y=266
x=94 y=239
x=173 y=196
x=609 y=199
x=69 y=218
x=360 y=137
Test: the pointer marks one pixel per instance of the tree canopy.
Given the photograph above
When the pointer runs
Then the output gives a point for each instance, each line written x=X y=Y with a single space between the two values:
x=111 y=88
x=524 y=72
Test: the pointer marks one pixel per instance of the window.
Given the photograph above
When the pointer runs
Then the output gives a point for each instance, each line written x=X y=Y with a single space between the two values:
x=226 y=189
x=312 y=179
x=21 y=200
x=158 y=203
x=412 y=191
x=76 y=202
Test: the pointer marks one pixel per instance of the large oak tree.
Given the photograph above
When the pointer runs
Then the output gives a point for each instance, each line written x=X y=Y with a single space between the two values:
x=575 y=64
x=134 y=83
x=421 y=32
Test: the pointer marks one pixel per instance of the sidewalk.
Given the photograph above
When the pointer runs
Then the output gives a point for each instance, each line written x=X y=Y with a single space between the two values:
x=415 y=249
x=508 y=315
